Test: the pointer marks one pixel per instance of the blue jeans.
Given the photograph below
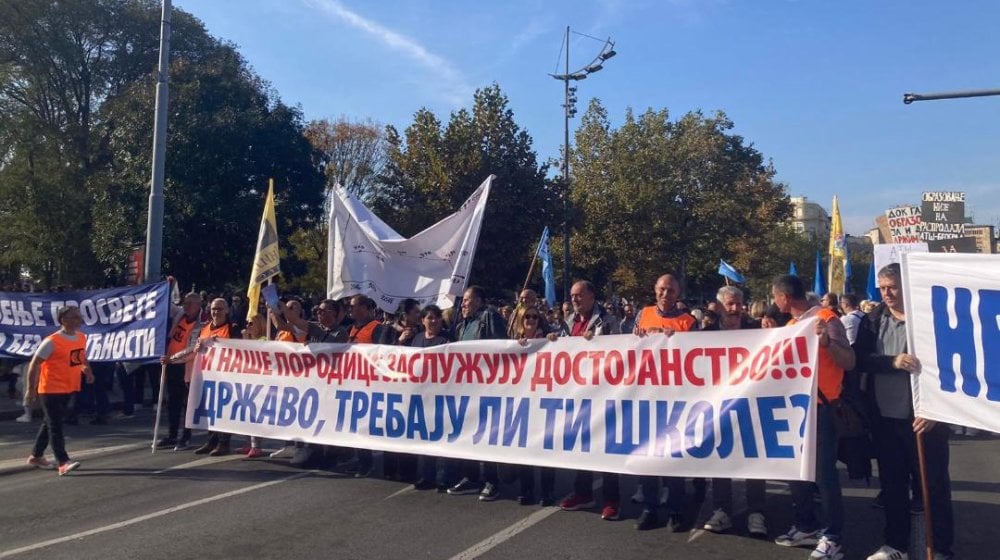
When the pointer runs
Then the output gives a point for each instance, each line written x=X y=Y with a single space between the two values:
x=827 y=479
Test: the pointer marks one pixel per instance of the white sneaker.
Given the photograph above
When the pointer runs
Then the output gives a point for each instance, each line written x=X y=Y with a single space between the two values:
x=827 y=549
x=24 y=418
x=719 y=522
x=888 y=553
x=302 y=454
x=756 y=526
x=283 y=452
x=794 y=537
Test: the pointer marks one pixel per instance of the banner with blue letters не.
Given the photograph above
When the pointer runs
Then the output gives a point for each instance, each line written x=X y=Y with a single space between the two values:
x=121 y=324
x=952 y=306
x=708 y=404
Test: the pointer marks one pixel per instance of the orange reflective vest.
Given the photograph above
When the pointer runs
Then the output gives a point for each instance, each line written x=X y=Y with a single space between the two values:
x=831 y=376
x=61 y=371
x=364 y=335
x=289 y=336
x=180 y=335
x=650 y=319
x=222 y=331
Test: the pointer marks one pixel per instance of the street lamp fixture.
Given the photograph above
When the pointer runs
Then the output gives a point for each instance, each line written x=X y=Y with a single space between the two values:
x=569 y=111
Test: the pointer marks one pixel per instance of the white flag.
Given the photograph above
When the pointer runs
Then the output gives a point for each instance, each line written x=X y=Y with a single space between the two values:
x=366 y=256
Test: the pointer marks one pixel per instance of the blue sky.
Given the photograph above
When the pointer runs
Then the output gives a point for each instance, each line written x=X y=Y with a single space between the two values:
x=816 y=85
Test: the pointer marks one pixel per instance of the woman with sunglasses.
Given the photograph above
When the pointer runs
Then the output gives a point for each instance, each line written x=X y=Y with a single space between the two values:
x=530 y=324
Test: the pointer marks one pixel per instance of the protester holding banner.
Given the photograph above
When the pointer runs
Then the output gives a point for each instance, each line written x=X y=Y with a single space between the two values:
x=733 y=318
x=53 y=376
x=665 y=318
x=589 y=320
x=179 y=357
x=433 y=334
x=479 y=322
x=366 y=330
x=883 y=353
x=835 y=356
x=532 y=326
x=402 y=466
x=220 y=326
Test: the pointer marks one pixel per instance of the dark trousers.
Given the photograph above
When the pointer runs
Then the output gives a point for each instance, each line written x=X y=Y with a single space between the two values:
x=897 y=459
x=677 y=498
x=722 y=495
x=150 y=373
x=93 y=397
x=526 y=477
x=583 y=485
x=177 y=394
x=127 y=384
x=54 y=407
x=827 y=480
x=399 y=465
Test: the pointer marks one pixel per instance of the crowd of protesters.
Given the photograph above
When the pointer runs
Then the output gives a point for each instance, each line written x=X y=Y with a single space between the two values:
x=863 y=359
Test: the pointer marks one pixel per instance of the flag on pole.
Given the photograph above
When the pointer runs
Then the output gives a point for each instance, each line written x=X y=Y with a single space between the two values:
x=819 y=283
x=838 y=252
x=792 y=271
x=548 y=272
x=265 y=262
x=727 y=270
x=873 y=292
x=847 y=266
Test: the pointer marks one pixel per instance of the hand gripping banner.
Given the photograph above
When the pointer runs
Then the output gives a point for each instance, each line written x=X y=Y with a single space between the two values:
x=711 y=404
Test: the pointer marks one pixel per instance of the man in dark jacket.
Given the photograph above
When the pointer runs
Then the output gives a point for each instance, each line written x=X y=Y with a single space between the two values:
x=883 y=355
x=478 y=322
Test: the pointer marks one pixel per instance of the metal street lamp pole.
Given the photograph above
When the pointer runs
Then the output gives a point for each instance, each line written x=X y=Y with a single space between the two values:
x=569 y=110
x=566 y=180
x=911 y=97
x=154 y=223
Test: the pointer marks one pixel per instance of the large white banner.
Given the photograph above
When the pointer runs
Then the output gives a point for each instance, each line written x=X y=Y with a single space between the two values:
x=366 y=256
x=953 y=325
x=728 y=404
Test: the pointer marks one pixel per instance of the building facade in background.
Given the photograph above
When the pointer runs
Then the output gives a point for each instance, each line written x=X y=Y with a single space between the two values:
x=810 y=218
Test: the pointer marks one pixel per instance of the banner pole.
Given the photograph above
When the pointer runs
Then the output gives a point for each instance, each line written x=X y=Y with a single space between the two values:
x=159 y=406
x=928 y=526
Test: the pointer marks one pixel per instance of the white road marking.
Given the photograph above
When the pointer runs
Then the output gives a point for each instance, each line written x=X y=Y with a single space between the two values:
x=484 y=546
x=399 y=493
x=201 y=462
x=21 y=464
x=487 y=544
x=147 y=517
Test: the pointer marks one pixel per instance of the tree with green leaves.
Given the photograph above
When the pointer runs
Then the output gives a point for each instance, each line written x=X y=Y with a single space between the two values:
x=76 y=106
x=658 y=195
x=433 y=169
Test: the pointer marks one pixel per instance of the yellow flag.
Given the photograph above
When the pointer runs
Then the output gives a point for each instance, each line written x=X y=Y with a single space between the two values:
x=838 y=253
x=265 y=262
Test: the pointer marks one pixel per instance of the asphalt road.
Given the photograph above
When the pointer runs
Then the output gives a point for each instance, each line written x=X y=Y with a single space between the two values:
x=125 y=502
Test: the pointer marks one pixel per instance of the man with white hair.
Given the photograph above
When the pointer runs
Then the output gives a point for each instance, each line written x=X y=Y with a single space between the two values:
x=730 y=299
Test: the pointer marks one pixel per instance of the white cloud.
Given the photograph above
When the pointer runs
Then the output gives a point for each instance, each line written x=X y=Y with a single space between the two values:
x=451 y=82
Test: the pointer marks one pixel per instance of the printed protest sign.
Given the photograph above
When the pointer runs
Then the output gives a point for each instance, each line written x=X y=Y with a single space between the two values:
x=120 y=323
x=953 y=325
x=733 y=403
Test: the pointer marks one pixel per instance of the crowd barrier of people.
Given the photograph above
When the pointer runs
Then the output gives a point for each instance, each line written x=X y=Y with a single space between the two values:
x=863 y=361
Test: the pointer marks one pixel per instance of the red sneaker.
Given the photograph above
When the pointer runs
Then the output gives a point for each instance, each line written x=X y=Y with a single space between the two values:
x=68 y=467
x=255 y=452
x=576 y=502
x=610 y=511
